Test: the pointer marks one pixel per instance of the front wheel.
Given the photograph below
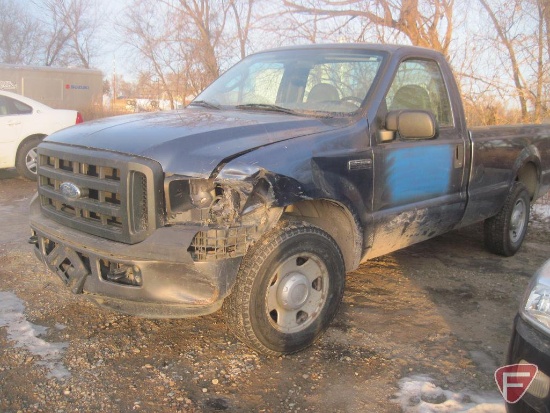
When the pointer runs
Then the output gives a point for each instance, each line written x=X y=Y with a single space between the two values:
x=26 y=161
x=504 y=233
x=288 y=289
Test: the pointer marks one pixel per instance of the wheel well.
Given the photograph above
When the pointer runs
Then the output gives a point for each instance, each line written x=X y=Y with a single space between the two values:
x=336 y=220
x=28 y=138
x=528 y=176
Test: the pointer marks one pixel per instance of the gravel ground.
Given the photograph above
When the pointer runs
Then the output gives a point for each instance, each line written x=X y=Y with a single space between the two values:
x=442 y=310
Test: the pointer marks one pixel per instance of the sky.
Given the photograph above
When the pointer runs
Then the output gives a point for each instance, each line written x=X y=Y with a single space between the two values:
x=112 y=52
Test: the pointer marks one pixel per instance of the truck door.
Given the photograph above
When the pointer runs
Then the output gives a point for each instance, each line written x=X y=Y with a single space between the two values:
x=419 y=189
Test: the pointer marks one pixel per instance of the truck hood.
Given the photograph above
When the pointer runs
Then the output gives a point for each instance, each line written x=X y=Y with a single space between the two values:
x=193 y=141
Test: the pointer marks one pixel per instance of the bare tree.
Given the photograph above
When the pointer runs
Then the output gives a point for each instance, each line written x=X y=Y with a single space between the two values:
x=520 y=29
x=427 y=23
x=242 y=14
x=18 y=34
x=296 y=27
x=503 y=33
x=83 y=20
x=540 y=64
x=149 y=28
x=71 y=31
x=545 y=8
x=56 y=33
x=185 y=43
x=546 y=91
x=209 y=24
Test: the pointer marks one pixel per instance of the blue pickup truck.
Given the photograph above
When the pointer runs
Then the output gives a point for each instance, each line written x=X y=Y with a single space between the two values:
x=287 y=172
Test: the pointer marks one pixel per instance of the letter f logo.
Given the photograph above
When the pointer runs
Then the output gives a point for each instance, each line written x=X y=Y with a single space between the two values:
x=514 y=380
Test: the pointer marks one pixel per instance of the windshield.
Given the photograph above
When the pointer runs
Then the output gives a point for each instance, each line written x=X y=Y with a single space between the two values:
x=315 y=81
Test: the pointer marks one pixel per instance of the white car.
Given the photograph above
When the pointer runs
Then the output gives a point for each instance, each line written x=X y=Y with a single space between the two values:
x=23 y=124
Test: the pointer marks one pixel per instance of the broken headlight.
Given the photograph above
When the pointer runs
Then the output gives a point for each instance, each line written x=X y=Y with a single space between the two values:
x=535 y=306
x=186 y=194
x=205 y=201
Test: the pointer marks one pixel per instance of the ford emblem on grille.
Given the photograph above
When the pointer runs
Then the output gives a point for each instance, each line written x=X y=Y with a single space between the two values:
x=70 y=190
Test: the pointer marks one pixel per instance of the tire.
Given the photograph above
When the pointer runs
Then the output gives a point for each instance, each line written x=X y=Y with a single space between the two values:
x=288 y=289
x=504 y=233
x=26 y=159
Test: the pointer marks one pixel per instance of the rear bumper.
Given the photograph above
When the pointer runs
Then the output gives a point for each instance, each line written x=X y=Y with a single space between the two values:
x=163 y=280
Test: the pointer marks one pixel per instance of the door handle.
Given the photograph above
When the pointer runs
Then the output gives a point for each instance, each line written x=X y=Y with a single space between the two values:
x=14 y=123
x=459 y=156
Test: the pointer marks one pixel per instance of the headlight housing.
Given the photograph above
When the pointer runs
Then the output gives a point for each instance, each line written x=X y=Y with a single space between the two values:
x=535 y=306
x=188 y=199
x=206 y=201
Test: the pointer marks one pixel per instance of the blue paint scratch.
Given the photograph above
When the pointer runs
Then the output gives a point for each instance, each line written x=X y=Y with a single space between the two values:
x=419 y=173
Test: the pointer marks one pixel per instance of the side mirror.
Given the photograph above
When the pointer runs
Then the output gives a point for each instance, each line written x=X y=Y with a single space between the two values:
x=410 y=124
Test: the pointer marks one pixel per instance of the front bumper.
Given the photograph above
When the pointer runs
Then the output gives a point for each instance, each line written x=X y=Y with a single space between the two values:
x=532 y=346
x=167 y=282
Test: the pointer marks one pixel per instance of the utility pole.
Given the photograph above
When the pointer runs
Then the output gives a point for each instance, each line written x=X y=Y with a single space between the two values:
x=113 y=101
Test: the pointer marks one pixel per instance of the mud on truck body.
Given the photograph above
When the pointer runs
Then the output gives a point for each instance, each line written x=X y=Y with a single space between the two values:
x=290 y=170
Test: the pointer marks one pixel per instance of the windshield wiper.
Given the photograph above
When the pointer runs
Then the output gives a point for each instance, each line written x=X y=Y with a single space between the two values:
x=265 y=106
x=204 y=104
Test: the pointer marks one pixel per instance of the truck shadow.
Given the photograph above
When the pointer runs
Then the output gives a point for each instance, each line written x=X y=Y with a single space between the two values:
x=8 y=173
x=443 y=307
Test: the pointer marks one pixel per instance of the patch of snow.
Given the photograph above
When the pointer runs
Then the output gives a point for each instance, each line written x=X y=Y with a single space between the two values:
x=27 y=335
x=418 y=394
x=541 y=211
x=540 y=215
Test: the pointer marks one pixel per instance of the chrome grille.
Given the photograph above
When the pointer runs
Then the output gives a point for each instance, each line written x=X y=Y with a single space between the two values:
x=116 y=196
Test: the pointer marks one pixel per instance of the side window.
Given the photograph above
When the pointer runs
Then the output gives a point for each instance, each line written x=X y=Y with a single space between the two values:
x=19 y=108
x=4 y=106
x=419 y=84
x=9 y=106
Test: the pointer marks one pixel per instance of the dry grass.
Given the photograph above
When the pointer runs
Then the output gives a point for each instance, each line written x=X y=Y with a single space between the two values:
x=95 y=112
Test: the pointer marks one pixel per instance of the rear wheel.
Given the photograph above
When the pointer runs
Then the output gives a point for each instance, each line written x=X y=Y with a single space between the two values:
x=288 y=289
x=26 y=162
x=504 y=233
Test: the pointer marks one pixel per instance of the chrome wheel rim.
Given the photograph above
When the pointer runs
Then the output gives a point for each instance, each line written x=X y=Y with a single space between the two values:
x=30 y=160
x=517 y=221
x=297 y=293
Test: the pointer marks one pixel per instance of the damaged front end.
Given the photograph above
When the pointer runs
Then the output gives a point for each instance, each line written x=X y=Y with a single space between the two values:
x=234 y=212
